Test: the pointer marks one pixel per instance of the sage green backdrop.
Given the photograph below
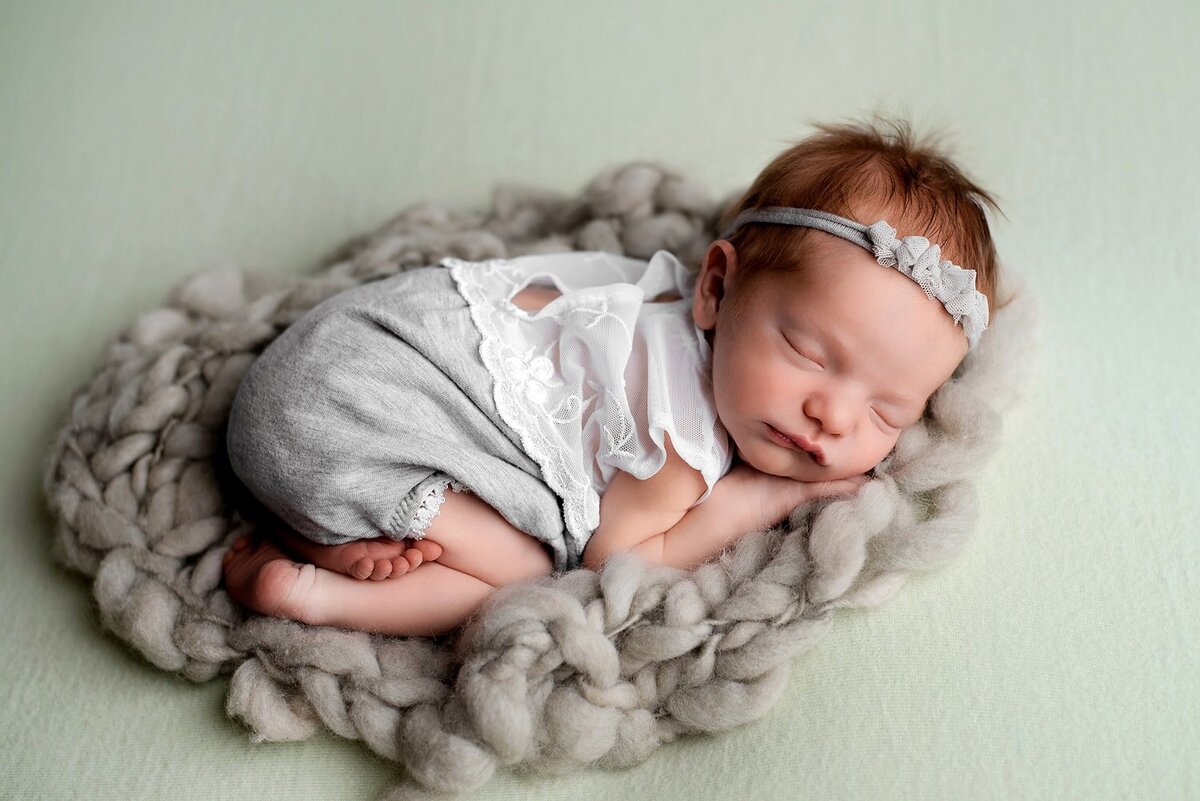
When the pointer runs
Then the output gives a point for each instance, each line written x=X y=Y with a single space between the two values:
x=1056 y=658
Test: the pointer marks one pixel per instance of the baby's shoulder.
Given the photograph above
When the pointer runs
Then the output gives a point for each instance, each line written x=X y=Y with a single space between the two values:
x=687 y=483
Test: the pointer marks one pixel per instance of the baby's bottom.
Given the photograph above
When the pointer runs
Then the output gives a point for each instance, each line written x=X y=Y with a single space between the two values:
x=480 y=551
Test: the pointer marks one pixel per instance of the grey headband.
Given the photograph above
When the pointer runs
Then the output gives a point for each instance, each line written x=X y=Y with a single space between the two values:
x=914 y=256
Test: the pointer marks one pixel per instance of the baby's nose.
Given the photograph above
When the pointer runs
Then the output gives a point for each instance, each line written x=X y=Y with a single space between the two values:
x=836 y=425
x=835 y=415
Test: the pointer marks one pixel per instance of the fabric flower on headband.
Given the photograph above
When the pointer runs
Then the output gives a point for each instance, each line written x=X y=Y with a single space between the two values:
x=940 y=278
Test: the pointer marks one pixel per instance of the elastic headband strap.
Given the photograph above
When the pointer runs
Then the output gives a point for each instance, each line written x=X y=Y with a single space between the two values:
x=847 y=229
x=913 y=256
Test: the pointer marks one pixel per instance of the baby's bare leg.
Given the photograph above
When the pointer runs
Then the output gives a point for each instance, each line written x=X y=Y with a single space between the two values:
x=426 y=602
x=429 y=601
x=480 y=551
x=466 y=534
x=478 y=541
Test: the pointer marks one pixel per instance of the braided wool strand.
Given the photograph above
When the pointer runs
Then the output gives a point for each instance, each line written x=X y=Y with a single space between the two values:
x=572 y=669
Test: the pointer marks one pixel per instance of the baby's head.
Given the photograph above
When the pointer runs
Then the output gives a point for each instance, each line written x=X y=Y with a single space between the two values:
x=812 y=336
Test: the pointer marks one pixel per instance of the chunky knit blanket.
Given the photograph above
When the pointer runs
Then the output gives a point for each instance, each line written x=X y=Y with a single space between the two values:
x=572 y=669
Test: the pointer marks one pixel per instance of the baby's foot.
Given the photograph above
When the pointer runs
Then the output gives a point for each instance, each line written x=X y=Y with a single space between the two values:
x=379 y=558
x=374 y=559
x=261 y=577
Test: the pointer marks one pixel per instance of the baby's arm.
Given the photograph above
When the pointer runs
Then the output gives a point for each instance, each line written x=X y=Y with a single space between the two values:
x=636 y=515
x=633 y=511
x=744 y=500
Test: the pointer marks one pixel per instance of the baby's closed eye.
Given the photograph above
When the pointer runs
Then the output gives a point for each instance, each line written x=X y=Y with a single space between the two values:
x=882 y=419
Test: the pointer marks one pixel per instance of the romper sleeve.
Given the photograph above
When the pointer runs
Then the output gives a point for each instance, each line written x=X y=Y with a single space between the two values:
x=669 y=388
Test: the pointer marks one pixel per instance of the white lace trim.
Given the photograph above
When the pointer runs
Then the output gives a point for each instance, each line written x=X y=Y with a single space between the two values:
x=531 y=375
x=430 y=505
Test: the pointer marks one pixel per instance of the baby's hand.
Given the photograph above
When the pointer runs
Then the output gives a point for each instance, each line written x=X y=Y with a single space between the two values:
x=767 y=499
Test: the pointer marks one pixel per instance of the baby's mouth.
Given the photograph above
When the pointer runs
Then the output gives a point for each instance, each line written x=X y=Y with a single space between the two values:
x=783 y=439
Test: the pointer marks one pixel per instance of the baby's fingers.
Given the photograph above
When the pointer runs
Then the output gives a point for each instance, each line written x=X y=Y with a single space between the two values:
x=842 y=486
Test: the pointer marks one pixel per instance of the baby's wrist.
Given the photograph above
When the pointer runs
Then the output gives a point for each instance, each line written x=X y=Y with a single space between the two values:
x=741 y=500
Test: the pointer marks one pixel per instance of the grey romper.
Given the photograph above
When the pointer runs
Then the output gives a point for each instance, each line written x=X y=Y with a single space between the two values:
x=371 y=403
x=356 y=419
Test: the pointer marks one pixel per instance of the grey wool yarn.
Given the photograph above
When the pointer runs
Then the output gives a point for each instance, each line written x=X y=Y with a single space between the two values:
x=579 y=668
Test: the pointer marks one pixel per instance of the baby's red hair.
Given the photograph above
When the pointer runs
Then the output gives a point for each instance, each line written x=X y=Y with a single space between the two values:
x=866 y=172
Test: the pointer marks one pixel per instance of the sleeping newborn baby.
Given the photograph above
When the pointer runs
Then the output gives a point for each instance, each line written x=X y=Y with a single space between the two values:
x=426 y=438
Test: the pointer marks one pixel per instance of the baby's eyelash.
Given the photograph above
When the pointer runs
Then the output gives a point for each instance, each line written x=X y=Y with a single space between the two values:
x=885 y=422
x=801 y=353
x=806 y=357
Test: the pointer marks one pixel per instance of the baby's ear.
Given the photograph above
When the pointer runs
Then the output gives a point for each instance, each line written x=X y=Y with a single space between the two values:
x=720 y=261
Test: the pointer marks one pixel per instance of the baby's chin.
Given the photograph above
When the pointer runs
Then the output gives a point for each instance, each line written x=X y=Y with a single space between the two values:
x=787 y=465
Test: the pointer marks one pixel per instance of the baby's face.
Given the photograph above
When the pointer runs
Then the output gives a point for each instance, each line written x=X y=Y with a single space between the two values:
x=844 y=355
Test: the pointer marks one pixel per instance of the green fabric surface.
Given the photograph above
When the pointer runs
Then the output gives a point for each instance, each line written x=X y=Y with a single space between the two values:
x=1057 y=658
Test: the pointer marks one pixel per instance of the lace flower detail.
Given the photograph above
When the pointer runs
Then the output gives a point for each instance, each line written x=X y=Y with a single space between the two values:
x=532 y=376
x=941 y=279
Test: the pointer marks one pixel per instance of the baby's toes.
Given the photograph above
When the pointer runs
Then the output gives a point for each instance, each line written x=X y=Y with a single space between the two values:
x=428 y=549
x=383 y=569
x=413 y=558
x=364 y=568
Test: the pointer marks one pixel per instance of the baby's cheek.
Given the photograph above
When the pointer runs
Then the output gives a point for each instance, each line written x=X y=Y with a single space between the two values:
x=769 y=390
x=887 y=446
